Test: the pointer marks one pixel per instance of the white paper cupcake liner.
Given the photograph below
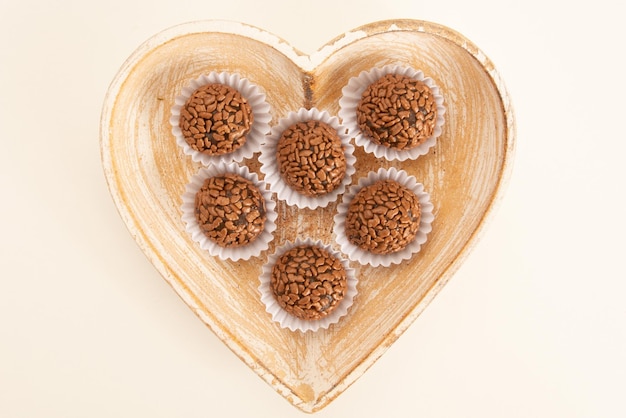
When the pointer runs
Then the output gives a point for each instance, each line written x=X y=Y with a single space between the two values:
x=269 y=163
x=254 y=249
x=365 y=257
x=260 y=110
x=285 y=319
x=351 y=96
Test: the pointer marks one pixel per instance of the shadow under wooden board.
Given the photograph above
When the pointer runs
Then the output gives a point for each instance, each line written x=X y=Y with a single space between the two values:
x=464 y=173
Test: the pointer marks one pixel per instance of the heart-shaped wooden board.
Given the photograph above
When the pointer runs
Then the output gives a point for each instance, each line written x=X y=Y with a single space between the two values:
x=147 y=173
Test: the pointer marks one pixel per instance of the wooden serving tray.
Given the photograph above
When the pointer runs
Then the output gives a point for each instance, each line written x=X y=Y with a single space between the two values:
x=464 y=174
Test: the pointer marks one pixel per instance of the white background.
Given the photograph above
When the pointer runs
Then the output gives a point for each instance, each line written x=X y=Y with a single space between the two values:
x=532 y=325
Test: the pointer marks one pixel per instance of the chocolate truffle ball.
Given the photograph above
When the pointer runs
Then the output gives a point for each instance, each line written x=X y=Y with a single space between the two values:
x=230 y=210
x=308 y=282
x=398 y=112
x=383 y=218
x=216 y=119
x=311 y=158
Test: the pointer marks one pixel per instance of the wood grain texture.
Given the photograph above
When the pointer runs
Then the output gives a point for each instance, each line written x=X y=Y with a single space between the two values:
x=464 y=173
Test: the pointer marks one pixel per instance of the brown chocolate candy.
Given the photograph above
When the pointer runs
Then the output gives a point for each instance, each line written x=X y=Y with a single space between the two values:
x=311 y=158
x=308 y=282
x=230 y=210
x=216 y=119
x=398 y=112
x=383 y=218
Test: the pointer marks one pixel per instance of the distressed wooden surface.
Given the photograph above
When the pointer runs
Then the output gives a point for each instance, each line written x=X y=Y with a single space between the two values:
x=147 y=173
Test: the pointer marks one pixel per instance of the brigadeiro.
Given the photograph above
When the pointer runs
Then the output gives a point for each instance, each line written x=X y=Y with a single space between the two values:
x=384 y=219
x=228 y=211
x=215 y=119
x=220 y=117
x=308 y=159
x=306 y=285
x=394 y=112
